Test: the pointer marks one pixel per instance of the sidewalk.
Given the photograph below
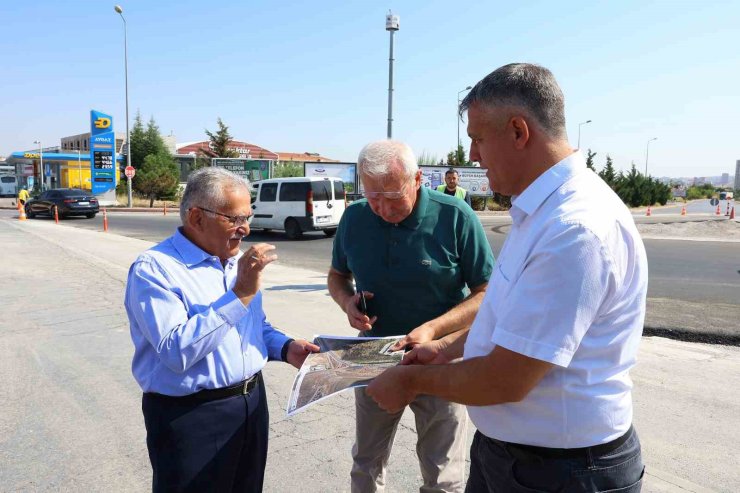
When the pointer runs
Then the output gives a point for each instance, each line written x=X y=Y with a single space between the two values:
x=71 y=416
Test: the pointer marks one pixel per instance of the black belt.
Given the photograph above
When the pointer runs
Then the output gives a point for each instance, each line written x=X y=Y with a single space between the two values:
x=521 y=451
x=242 y=388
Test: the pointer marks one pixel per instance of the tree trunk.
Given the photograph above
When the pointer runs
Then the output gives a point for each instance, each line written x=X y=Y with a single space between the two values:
x=151 y=201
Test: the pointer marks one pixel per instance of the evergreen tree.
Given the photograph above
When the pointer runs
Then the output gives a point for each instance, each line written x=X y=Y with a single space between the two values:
x=590 y=160
x=137 y=145
x=220 y=141
x=158 y=178
x=153 y=142
x=458 y=157
x=608 y=174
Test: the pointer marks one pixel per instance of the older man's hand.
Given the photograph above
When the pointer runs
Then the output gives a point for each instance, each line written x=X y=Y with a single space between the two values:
x=299 y=350
x=392 y=390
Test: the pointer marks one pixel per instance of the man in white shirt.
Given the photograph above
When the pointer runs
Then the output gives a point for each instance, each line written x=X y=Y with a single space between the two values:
x=545 y=373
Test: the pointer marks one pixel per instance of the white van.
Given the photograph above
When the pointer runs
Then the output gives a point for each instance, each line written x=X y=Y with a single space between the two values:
x=298 y=204
x=8 y=186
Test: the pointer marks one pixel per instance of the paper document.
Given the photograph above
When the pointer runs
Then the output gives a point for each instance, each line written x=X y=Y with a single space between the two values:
x=343 y=363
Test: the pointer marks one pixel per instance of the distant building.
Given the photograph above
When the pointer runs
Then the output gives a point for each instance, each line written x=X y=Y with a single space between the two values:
x=287 y=158
x=81 y=142
x=737 y=174
x=725 y=180
x=244 y=150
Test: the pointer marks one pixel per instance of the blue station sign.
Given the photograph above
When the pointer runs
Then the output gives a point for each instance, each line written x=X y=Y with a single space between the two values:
x=102 y=152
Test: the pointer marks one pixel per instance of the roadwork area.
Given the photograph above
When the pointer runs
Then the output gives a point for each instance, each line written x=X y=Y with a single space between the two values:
x=695 y=230
x=72 y=418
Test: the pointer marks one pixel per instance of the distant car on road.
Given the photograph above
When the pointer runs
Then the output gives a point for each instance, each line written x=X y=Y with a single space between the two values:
x=69 y=201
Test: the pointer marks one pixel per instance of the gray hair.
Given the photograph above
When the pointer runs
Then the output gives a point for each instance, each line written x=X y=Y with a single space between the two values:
x=377 y=158
x=525 y=86
x=206 y=188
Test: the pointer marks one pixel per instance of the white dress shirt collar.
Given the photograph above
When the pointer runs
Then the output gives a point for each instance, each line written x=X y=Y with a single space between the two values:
x=538 y=191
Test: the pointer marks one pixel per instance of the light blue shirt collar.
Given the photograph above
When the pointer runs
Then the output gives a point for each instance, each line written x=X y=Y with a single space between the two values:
x=190 y=253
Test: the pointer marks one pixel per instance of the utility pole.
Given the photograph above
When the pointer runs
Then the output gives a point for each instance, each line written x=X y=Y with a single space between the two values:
x=392 y=24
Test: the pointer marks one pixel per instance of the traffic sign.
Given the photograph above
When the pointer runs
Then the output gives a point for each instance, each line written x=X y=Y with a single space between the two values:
x=130 y=171
x=714 y=201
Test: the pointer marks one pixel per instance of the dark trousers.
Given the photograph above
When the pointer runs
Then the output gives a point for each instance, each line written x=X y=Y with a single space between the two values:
x=496 y=466
x=213 y=446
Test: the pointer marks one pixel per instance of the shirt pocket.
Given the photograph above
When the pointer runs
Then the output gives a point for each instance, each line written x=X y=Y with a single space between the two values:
x=501 y=283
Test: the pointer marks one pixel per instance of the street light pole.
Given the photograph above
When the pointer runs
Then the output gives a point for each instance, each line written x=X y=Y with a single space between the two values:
x=457 y=115
x=579 y=132
x=392 y=24
x=42 y=174
x=125 y=65
x=647 y=151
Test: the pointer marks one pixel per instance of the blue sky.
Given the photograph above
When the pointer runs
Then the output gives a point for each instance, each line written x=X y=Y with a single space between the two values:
x=312 y=76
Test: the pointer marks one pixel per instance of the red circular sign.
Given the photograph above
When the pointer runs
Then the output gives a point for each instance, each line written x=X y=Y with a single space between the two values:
x=130 y=171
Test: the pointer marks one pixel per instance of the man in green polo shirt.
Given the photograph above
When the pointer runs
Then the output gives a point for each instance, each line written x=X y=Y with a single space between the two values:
x=412 y=252
x=452 y=188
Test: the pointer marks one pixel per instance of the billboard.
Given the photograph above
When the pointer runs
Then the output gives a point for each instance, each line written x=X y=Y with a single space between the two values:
x=347 y=172
x=251 y=169
x=472 y=179
x=102 y=152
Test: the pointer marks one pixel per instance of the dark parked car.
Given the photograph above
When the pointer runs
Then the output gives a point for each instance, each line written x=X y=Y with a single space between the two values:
x=70 y=202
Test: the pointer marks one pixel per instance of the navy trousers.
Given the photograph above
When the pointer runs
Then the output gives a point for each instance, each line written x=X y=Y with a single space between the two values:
x=214 y=446
x=497 y=467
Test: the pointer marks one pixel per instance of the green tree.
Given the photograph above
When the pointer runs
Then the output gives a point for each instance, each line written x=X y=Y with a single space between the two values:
x=608 y=174
x=426 y=159
x=458 y=157
x=153 y=142
x=590 y=160
x=630 y=187
x=144 y=142
x=158 y=178
x=138 y=144
x=220 y=141
x=705 y=191
x=287 y=169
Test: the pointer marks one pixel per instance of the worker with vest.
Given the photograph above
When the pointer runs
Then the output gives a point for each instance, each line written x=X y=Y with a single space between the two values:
x=451 y=188
x=23 y=196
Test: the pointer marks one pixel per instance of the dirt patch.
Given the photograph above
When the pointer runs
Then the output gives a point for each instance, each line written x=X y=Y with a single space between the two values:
x=696 y=230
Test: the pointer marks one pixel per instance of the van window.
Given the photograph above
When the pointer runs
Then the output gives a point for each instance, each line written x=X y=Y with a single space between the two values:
x=7 y=179
x=321 y=190
x=268 y=192
x=339 y=190
x=294 y=192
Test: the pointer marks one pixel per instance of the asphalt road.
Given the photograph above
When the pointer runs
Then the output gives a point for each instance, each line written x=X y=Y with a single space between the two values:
x=693 y=285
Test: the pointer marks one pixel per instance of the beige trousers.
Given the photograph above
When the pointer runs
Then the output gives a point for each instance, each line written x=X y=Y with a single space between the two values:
x=441 y=427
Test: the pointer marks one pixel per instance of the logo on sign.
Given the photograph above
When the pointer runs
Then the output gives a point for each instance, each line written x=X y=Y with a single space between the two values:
x=102 y=122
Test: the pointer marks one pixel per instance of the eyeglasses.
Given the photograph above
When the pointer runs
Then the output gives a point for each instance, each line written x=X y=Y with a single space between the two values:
x=235 y=221
x=388 y=195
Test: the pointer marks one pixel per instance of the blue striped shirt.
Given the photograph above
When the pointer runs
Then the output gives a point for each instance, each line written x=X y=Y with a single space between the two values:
x=189 y=329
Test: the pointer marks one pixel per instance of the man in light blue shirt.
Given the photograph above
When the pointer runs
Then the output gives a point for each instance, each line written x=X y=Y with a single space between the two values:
x=201 y=339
